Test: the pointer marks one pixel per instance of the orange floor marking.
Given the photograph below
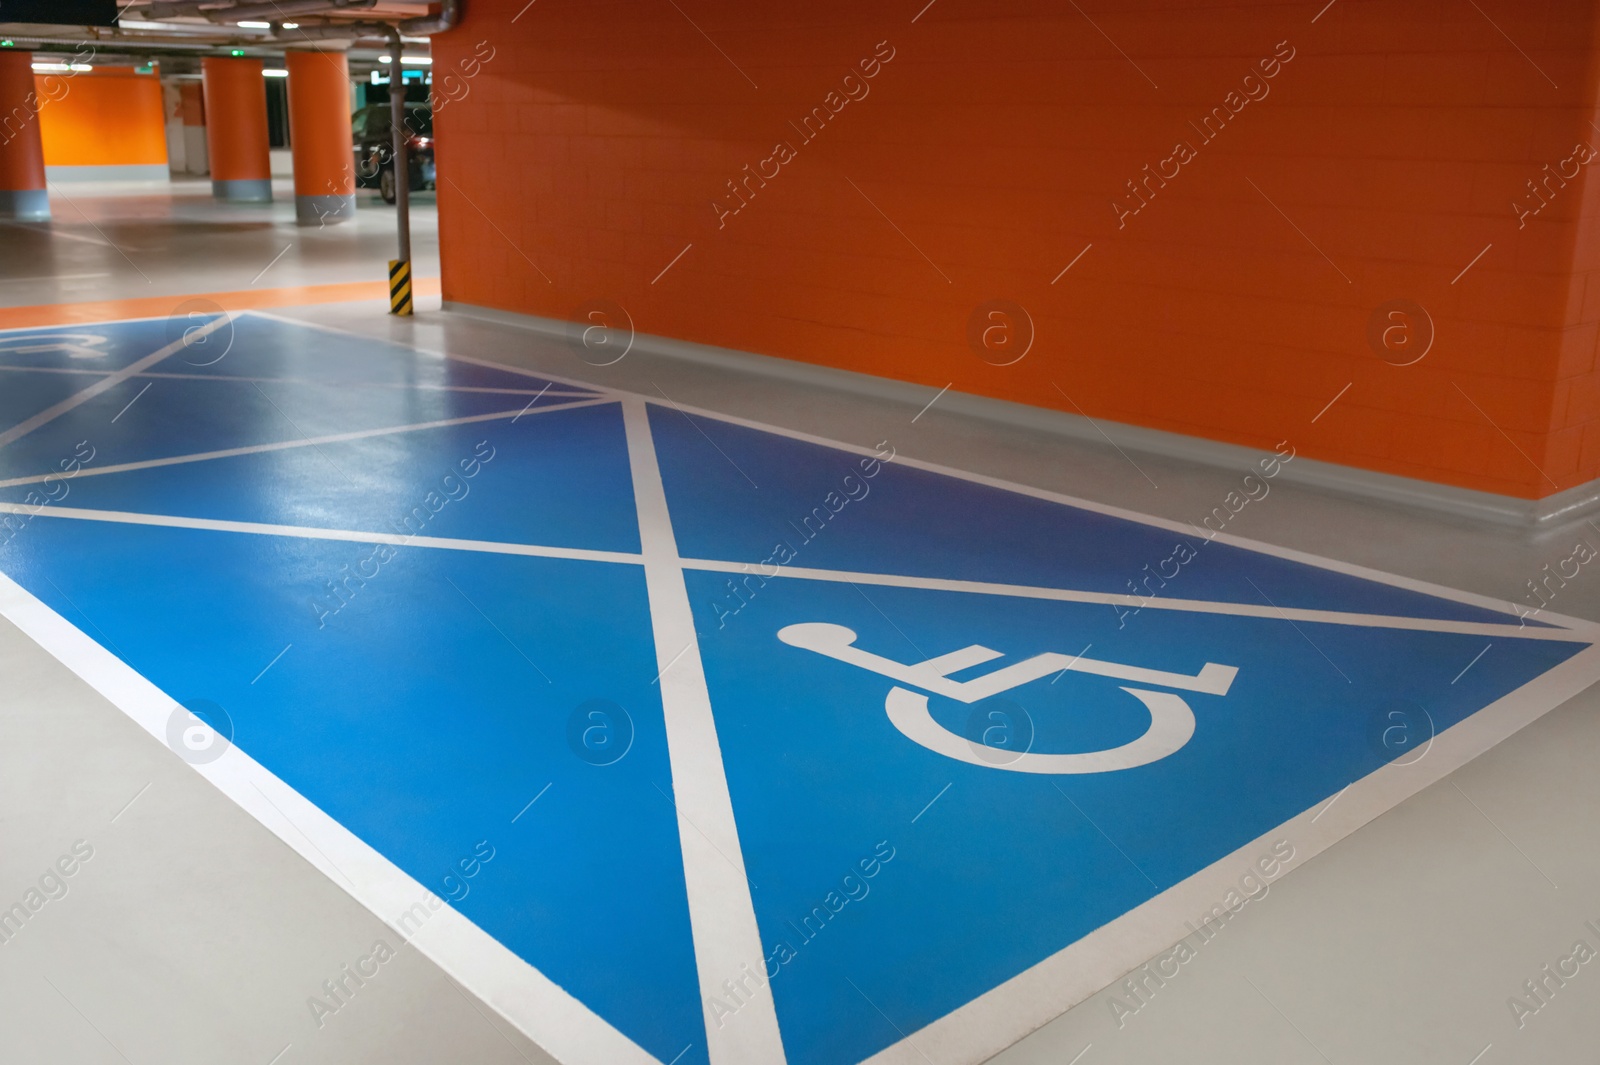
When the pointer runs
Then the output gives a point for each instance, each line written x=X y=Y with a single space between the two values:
x=246 y=299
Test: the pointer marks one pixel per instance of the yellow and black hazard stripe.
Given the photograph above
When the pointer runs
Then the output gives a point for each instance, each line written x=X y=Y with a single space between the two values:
x=399 y=286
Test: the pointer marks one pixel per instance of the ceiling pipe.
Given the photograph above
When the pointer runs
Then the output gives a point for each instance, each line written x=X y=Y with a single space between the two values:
x=277 y=11
x=176 y=8
x=449 y=14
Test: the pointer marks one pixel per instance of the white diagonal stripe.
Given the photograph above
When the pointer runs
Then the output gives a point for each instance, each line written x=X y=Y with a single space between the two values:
x=1201 y=606
x=1134 y=602
x=110 y=381
x=174 y=521
x=410 y=386
x=310 y=441
x=541 y=1009
x=721 y=914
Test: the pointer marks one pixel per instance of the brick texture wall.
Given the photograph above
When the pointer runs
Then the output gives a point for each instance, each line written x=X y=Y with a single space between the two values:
x=1255 y=184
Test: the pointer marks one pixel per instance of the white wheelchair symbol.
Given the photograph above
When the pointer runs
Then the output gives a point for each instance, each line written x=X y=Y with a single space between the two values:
x=76 y=345
x=1171 y=720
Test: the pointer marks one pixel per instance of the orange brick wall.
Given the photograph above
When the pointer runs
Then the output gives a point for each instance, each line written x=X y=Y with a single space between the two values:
x=109 y=116
x=1375 y=165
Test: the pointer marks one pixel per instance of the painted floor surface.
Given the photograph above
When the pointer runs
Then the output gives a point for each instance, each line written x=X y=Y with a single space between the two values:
x=728 y=744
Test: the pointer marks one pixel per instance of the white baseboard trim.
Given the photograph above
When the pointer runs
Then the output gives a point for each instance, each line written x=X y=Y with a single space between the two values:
x=1406 y=492
x=115 y=172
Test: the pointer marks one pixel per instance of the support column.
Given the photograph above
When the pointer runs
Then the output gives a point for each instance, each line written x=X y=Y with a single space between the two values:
x=195 y=153
x=236 y=129
x=23 y=193
x=319 y=137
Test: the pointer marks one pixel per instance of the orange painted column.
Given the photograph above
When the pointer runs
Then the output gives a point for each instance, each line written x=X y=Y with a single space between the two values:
x=23 y=194
x=236 y=129
x=319 y=137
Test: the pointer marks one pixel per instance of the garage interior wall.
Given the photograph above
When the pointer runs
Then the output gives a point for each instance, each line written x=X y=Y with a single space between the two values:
x=1242 y=194
x=105 y=123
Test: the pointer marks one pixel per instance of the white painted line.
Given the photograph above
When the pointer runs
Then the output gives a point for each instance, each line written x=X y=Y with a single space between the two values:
x=222 y=378
x=988 y=1024
x=721 y=913
x=611 y=393
x=540 y=1009
x=1582 y=626
x=313 y=441
x=450 y=356
x=1382 y=621
x=354 y=536
x=109 y=382
x=531 y=402
x=1589 y=629
x=1199 y=606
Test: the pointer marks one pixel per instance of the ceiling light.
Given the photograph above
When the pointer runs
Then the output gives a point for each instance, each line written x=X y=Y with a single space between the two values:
x=254 y=25
x=288 y=25
x=270 y=73
x=420 y=60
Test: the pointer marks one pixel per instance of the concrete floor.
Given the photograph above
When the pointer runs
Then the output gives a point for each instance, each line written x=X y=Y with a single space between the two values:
x=124 y=241
x=193 y=935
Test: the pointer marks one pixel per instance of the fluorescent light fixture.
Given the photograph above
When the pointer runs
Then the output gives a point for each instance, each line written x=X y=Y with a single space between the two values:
x=254 y=25
x=61 y=68
x=412 y=60
x=270 y=73
x=290 y=25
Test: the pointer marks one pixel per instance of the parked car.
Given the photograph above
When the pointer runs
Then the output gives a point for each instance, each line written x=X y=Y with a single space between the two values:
x=374 y=148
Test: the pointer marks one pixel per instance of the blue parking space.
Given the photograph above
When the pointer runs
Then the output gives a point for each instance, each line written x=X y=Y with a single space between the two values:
x=1008 y=867
x=433 y=598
